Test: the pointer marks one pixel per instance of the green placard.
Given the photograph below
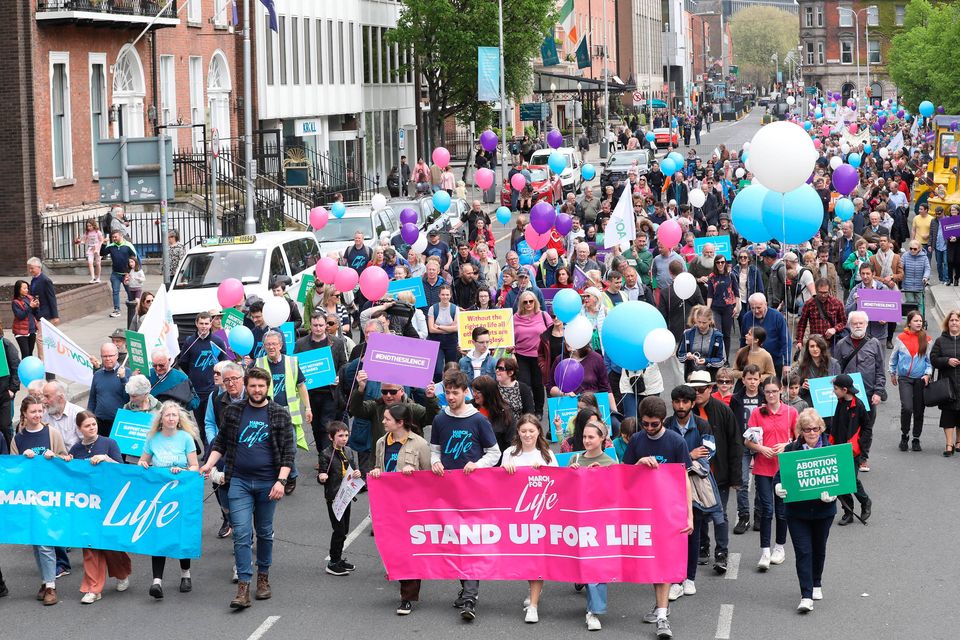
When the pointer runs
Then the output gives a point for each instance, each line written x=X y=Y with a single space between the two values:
x=232 y=318
x=306 y=286
x=4 y=365
x=137 y=352
x=808 y=473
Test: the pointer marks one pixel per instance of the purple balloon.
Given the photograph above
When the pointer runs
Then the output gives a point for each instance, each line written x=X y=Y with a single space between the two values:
x=408 y=216
x=882 y=120
x=568 y=375
x=846 y=179
x=953 y=126
x=555 y=138
x=564 y=223
x=542 y=217
x=900 y=113
x=877 y=127
x=409 y=232
x=940 y=109
x=488 y=140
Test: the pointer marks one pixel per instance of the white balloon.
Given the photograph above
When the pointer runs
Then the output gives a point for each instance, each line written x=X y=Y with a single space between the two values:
x=378 y=202
x=740 y=172
x=659 y=345
x=791 y=100
x=746 y=163
x=783 y=156
x=835 y=162
x=697 y=198
x=421 y=244
x=578 y=332
x=276 y=311
x=746 y=146
x=685 y=285
x=844 y=148
x=884 y=152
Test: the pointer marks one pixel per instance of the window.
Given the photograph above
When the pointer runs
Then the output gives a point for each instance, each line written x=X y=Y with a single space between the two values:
x=197 y=115
x=98 y=103
x=819 y=16
x=268 y=49
x=330 y=59
x=366 y=55
x=846 y=16
x=820 y=54
x=384 y=57
x=873 y=52
x=846 y=52
x=353 y=54
x=343 y=57
x=295 y=48
x=319 y=51
x=873 y=16
x=901 y=12
x=222 y=12
x=60 y=134
x=809 y=57
x=295 y=256
x=808 y=17
x=193 y=13
x=277 y=266
x=282 y=38
x=375 y=54
x=168 y=96
x=307 y=52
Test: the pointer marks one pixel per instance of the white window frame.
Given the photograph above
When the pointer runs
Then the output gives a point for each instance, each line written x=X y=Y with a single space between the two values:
x=901 y=13
x=819 y=16
x=845 y=19
x=873 y=16
x=849 y=44
x=222 y=13
x=168 y=95
x=194 y=13
x=821 y=55
x=808 y=17
x=809 y=54
x=870 y=60
x=58 y=58
x=104 y=125
x=195 y=79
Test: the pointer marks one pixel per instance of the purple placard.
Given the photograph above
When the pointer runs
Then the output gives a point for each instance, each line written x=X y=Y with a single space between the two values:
x=879 y=305
x=548 y=295
x=950 y=226
x=223 y=336
x=400 y=360
x=579 y=278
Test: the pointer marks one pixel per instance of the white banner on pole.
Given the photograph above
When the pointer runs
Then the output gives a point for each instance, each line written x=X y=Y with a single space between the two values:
x=158 y=327
x=62 y=356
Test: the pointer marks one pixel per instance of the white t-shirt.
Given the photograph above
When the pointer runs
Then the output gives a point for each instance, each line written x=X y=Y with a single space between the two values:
x=526 y=459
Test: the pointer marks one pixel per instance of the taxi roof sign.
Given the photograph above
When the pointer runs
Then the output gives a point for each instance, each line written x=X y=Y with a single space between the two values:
x=221 y=241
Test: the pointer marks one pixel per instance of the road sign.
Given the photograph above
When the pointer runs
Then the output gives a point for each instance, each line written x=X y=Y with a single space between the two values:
x=402 y=138
x=534 y=111
x=637 y=98
x=215 y=143
x=130 y=169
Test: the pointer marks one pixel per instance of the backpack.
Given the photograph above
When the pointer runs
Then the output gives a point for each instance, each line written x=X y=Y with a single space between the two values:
x=795 y=292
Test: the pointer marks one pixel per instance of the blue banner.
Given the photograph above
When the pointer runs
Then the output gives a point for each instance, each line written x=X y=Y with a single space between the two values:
x=825 y=400
x=118 y=507
x=563 y=459
x=548 y=52
x=289 y=336
x=414 y=285
x=316 y=366
x=488 y=74
x=566 y=408
x=720 y=243
x=130 y=431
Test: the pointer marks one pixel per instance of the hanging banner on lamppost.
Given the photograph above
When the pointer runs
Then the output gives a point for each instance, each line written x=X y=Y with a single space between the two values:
x=488 y=74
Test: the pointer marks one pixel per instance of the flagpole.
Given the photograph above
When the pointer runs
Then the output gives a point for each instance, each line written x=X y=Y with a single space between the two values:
x=503 y=100
x=250 y=224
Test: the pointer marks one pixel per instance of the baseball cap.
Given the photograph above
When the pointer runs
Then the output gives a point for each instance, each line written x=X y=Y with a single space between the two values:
x=843 y=381
x=769 y=252
x=433 y=233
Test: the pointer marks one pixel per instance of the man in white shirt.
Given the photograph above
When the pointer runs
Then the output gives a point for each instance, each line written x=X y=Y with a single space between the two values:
x=59 y=413
x=896 y=197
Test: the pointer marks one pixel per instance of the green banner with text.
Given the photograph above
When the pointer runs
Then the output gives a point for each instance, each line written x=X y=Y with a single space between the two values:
x=807 y=473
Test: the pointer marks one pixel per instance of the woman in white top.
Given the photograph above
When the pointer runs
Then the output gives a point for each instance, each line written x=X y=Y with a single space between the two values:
x=530 y=449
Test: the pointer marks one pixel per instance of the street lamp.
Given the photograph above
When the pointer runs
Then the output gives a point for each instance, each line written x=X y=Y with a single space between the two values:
x=856 y=27
x=775 y=58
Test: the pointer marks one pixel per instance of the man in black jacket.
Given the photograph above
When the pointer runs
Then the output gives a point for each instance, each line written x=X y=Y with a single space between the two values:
x=323 y=400
x=726 y=463
x=9 y=386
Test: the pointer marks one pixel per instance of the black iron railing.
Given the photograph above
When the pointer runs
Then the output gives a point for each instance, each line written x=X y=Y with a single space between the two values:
x=148 y=8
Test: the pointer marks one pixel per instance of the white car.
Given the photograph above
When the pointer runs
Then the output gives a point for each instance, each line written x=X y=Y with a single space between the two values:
x=339 y=232
x=570 y=178
x=254 y=260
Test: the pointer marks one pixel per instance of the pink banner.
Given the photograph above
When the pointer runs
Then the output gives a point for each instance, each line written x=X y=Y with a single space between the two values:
x=603 y=524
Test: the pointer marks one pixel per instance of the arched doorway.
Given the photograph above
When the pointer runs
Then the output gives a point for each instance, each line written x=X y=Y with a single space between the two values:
x=128 y=94
x=218 y=96
x=847 y=90
x=876 y=91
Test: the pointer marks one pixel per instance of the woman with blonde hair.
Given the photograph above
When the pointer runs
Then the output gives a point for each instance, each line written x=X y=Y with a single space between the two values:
x=172 y=443
x=330 y=303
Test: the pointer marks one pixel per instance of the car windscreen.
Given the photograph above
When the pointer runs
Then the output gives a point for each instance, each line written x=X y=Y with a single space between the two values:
x=626 y=159
x=538 y=175
x=209 y=269
x=342 y=230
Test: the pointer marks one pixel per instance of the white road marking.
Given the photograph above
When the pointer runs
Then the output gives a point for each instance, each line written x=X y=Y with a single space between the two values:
x=351 y=537
x=263 y=628
x=724 y=622
x=733 y=566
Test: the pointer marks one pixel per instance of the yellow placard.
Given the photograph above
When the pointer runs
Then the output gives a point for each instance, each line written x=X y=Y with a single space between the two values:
x=499 y=322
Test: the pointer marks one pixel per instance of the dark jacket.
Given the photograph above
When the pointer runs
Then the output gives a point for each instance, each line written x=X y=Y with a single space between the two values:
x=337 y=349
x=676 y=310
x=120 y=255
x=727 y=461
x=373 y=410
x=808 y=509
x=944 y=348
x=11 y=381
x=41 y=287
x=334 y=469
x=107 y=393
x=281 y=437
x=850 y=417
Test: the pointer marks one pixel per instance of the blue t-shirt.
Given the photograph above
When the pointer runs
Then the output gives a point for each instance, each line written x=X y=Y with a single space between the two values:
x=278 y=372
x=170 y=451
x=390 y=454
x=441 y=250
x=101 y=446
x=254 y=459
x=461 y=440
x=39 y=441
x=669 y=447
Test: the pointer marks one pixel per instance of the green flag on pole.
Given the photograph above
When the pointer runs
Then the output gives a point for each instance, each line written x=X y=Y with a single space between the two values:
x=583 y=54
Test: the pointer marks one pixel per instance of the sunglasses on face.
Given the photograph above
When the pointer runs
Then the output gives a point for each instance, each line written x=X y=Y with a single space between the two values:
x=724 y=381
x=389 y=392
x=650 y=425
x=501 y=368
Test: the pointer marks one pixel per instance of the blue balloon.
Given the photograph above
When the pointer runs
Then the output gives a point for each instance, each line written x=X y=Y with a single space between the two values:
x=795 y=216
x=854 y=160
x=338 y=209
x=673 y=123
x=668 y=167
x=807 y=125
x=31 y=368
x=503 y=215
x=844 y=209
x=746 y=213
x=868 y=149
x=567 y=304
x=926 y=108
x=588 y=171
x=241 y=340
x=677 y=158
x=441 y=201
x=624 y=330
x=557 y=162
x=650 y=136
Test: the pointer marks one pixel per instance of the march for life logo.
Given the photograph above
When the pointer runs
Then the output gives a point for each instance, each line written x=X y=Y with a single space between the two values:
x=254 y=432
x=460 y=442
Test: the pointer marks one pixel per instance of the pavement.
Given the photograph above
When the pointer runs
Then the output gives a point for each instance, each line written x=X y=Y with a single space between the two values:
x=892 y=579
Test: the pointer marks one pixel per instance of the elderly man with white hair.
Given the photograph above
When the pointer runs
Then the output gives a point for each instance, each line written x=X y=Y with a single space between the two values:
x=107 y=393
x=778 y=334
x=141 y=400
x=169 y=383
x=60 y=413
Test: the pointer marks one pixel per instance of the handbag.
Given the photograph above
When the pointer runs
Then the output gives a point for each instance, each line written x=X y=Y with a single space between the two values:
x=938 y=392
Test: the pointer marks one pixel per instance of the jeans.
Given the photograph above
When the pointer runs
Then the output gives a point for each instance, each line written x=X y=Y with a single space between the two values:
x=941 y=258
x=809 y=539
x=528 y=371
x=250 y=504
x=769 y=503
x=46 y=559
x=597 y=598
x=743 y=493
x=116 y=280
x=723 y=319
x=911 y=405
x=721 y=528
x=63 y=560
x=339 y=534
x=693 y=543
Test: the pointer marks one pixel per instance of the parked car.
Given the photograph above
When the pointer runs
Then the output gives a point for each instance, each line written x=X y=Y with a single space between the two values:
x=337 y=235
x=546 y=186
x=570 y=177
x=615 y=171
x=429 y=218
x=665 y=137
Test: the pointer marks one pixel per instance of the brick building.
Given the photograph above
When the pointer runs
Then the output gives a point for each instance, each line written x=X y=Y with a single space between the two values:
x=78 y=79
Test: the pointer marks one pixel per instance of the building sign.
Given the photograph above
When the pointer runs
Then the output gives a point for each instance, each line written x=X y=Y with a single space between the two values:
x=307 y=127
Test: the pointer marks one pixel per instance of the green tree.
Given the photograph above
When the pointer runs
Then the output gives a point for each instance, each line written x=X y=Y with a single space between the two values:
x=756 y=34
x=922 y=57
x=444 y=35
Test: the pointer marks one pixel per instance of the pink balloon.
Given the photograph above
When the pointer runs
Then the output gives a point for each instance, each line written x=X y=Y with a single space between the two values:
x=669 y=233
x=326 y=270
x=318 y=218
x=816 y=143
x=534 y=239
x=826 y=130
x=346 y=280
x=518 y=182
x=230 y=293
x=441 y=157
x=484 y=178
x=374 y=282
x=853 y=128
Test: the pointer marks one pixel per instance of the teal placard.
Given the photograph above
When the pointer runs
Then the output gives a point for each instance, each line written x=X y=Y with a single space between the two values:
x=130 y=430
x=825 y=400
x=289 y=336
x=566 y=407
x=316 y=366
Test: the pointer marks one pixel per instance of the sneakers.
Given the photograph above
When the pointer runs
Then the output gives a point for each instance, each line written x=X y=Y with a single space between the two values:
x=915 y=446
x=743 y=523
x=818 y=593
x=663 y=629
x=156 y=590
x=263 y=587
x=242 y=599
x=526 y=602
x=336 y=569
x=651 y=618
x=704 y=556
x=225 y=529
x=531 y=616
x=764 y=562
x=123 y=585
x=889 y=344
x=186 y=585
x=689 y=588
x=115 y=313
x=469 y=611
x=90 y=598
x=460 y=601
x=720 y=563
x=676 y=591
x=805 y=606
x=904 y=441
x=846 y=519
x=62 y=572
x=405 y=608
x=865 y=466
x=593 y=622
x=50 y=596
x=347 y=566
x=778 y=555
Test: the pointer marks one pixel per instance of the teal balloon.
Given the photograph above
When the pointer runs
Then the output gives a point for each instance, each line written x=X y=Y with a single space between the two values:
x=668 y=167
x=926 y=108
x=588 y=171
x=677 y=158
x=747 y=214
x=795 y=216
x=338 y=209
x=30 y=368
x=441 y=201
x=650 y=136
x=624 y=330
x=557 y=162
x=241 y=340
x=854 y=160
x=844 y=209
x=868 y=149
x=567 y=305
x=503 y=215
